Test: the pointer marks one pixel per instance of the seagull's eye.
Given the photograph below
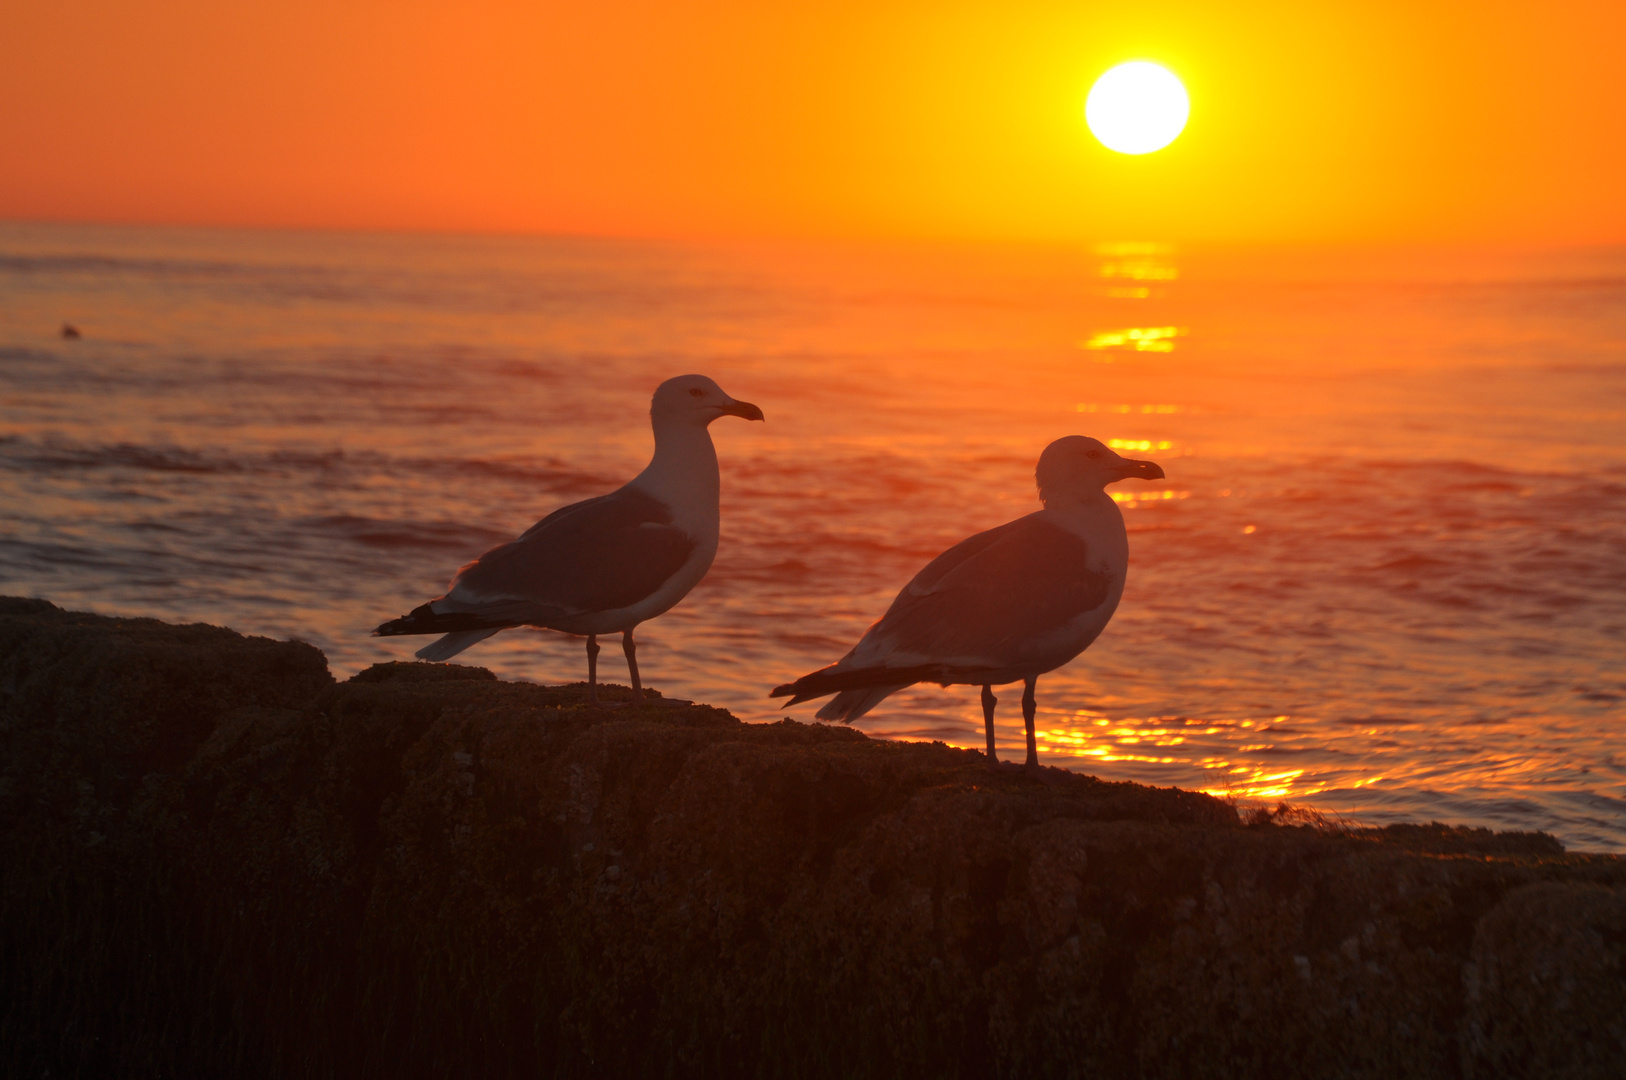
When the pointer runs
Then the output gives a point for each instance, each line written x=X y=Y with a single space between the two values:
x=1095 y=453
x=695 y=391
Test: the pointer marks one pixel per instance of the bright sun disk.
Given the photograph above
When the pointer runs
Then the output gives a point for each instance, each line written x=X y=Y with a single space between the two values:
x=1137 y=107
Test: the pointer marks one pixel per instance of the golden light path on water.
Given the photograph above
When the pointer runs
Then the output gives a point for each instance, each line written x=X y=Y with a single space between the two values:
x=1152 y=740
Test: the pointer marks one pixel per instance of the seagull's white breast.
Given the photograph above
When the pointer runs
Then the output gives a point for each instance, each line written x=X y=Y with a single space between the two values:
x=683 y=475
x=1100 y=524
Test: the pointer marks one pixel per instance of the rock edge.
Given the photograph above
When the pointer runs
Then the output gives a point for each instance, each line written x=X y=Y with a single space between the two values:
x=221 y=862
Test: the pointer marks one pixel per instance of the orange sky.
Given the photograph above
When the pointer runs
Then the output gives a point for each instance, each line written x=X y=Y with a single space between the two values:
x=1494 y=120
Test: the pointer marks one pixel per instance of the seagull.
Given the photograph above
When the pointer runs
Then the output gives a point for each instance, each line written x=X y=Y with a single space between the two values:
x=1004 y=605
x=606 y=564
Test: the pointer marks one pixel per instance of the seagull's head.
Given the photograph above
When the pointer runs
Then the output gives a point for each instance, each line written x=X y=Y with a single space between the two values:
x=695 y=399
x=1077 y=465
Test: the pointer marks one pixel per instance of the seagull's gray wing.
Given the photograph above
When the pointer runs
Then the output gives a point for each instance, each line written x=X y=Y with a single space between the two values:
x=988 y=602
x=992 y=596
x=597 y=555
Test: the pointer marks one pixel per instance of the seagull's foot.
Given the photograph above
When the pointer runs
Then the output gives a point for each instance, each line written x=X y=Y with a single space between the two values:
x=654 y=702
x=596 y=702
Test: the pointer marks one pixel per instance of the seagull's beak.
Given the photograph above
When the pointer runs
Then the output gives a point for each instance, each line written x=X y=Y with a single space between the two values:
x=1145 y=470
x=743 y=409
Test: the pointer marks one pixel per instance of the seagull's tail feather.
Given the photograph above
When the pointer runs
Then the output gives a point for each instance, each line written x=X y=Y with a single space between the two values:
x=424 y=619
x=849 y=705
x=858 y=690
x=461 y=629
x=453 y=643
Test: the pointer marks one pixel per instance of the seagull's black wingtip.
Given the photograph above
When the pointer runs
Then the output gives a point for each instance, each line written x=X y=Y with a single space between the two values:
x=420 y=620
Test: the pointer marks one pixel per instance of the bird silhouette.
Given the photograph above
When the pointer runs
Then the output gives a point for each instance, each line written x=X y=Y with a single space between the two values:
x=606 y=564
x=1005 y=605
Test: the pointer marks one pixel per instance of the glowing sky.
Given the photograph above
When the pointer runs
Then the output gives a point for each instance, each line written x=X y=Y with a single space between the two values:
x=1345 y=119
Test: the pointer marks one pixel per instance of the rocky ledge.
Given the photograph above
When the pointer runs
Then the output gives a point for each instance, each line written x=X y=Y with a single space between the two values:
x=218 y=861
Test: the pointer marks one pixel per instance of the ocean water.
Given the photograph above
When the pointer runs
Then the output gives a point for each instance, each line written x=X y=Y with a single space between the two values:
x=1385 y=578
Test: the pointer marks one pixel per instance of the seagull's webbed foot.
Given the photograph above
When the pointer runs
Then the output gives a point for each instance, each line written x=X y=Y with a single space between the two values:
x=1030 y=706
x=648 y=702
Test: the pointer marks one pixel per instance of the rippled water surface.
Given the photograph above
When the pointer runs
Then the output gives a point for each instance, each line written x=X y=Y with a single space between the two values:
x=1386 y=576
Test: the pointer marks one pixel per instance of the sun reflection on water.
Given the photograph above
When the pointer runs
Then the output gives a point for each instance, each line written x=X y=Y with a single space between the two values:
x=1091 y=407
x=1137 y=261
x=1136 y=338
x=1229 y=755
x=1132 y=248
x=1133 y=266
x=1132 y=498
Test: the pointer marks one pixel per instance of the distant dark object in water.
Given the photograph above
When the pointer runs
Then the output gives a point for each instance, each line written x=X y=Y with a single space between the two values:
x=71 y=332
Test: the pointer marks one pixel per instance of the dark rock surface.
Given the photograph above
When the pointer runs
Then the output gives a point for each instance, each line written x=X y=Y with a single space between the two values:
x=217 y=861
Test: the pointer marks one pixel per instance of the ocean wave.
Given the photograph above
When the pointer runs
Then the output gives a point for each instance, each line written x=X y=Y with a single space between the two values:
x=34 y=455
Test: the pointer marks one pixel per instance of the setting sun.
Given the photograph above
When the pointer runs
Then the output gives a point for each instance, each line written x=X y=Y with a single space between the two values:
x=1137 y=108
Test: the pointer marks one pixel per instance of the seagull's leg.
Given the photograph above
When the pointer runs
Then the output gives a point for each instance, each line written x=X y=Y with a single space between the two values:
x=988 y=703
x=630 y=647
x=1030 y=705
x=592 y=669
